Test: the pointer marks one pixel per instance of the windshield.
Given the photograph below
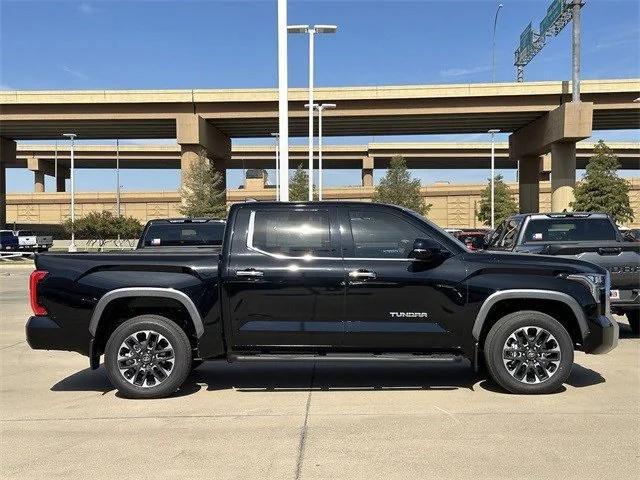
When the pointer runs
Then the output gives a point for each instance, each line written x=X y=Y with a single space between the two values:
x=184 y=234
x=569 y=230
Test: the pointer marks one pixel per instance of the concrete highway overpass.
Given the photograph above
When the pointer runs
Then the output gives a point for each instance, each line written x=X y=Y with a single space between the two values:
x=540 y=115
x=382 y=110
x=40 y=158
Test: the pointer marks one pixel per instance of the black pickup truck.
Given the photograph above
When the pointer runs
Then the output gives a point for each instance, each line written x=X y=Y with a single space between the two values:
x=321 y=281
x=592 y=237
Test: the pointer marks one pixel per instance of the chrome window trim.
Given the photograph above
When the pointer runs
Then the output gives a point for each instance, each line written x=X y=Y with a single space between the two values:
x=251 y=247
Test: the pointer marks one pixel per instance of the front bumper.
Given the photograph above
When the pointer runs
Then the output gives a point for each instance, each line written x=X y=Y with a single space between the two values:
x=603 y=335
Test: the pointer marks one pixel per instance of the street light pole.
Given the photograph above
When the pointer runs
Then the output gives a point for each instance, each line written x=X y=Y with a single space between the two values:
x=72 y=246
x=118 y=178
x=575 y=47
x=493 y=54
x=320 y=108
x=276 y=135
x=283 y=102
x=493 y=131
x=311 y=31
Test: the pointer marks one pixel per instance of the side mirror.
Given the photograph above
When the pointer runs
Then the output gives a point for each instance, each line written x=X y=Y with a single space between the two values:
x=425 y=249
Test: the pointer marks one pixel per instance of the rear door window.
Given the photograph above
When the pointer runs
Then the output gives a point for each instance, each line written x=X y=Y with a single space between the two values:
x=569 y=230
x=292 y=233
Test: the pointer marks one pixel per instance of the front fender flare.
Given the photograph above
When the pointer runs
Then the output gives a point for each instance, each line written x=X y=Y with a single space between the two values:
x=146 y=292
x=526 y=294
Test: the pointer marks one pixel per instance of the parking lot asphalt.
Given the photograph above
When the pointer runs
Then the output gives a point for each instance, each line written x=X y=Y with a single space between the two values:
x=58 y=419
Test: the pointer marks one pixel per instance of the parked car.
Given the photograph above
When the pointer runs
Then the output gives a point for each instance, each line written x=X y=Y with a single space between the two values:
x=182 y=232
x=8 y=241
x=30 y=241
x=631 y=234
x=321 y=281
x=472 y=238
x=592 y=237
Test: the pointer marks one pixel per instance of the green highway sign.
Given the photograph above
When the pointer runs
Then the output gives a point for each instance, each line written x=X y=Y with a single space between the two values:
x=526 y=37
x=553 y=13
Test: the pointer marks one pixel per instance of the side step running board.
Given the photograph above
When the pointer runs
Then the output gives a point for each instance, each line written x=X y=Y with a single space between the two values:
x=444 y=358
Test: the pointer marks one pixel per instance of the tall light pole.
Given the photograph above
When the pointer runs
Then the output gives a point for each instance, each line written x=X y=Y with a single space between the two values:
x=575 y=48
x=320 y=108
x=283 y=101
x=276 y=135
x=118 y=178
x=72 y=246
x=55 y=164
x=493 y=132
x=493 y=52
x=311 y=31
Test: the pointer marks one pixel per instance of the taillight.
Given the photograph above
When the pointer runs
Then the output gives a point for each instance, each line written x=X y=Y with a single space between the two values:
x=34 y=279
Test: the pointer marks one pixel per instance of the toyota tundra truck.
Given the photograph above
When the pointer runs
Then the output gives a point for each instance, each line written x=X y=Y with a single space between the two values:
x=592 y=237
x=321 y=281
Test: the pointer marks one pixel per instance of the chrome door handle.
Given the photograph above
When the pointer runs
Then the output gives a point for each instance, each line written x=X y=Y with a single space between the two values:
x=362 y=274
x=249 y=273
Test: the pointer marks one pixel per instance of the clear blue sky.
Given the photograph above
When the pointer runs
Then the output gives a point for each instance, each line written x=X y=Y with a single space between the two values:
x=217 y=44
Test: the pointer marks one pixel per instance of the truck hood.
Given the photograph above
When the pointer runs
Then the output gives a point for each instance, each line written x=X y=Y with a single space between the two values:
x=519 y=260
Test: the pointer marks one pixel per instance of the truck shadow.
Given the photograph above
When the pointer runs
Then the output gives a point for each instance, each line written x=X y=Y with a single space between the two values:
x=293 y=376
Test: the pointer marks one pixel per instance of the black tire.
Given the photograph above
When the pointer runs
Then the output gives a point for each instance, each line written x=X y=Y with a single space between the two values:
x=633 y=316
x=514 y=324
x=178 y=344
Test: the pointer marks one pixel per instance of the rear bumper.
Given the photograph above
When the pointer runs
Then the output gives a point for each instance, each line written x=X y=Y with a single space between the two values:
x=603 y=335
x=45 y=334
x=629 y=300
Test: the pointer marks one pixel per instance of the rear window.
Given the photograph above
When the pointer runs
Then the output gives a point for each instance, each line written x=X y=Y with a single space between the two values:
x=184 y=234
x=569 y=230
x=26 y=233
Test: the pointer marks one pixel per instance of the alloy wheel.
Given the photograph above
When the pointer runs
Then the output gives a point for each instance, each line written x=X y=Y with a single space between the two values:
x=146 y=358
x=531 y=355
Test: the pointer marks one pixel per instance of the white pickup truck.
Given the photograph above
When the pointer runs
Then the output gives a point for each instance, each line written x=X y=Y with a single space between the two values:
x=29 y=240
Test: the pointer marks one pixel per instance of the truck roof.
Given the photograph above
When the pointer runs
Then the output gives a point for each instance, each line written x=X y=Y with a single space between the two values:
x=562 y=215
x=186 y=220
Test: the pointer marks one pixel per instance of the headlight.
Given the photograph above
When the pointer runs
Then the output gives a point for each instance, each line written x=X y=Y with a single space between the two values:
x=594 y=282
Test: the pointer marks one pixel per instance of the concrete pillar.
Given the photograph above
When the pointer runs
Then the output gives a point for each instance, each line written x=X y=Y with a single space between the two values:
x=367 y=171
x=7 y=155
x=61 y=183
x=529 y=184
x=545 y=169
x=198 y=138
x=38 y=181
x=563 y=175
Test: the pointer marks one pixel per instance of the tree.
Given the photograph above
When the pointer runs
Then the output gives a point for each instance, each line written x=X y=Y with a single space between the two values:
x=299 y=185
x=601 y=189
x=504 y=203
x=203 y=193
x=104 y=226
x=398 y=188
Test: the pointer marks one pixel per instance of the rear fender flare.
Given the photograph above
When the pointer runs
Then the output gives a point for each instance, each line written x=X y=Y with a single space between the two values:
x=171 y=293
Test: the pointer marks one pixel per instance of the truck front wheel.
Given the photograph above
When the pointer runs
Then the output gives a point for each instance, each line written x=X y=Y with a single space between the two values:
x=148 y=356
x=529 y=352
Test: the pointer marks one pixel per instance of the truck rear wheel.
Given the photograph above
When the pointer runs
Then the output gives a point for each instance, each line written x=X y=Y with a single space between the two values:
x=148 y=356
x=633 y=316
x=529 y=352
